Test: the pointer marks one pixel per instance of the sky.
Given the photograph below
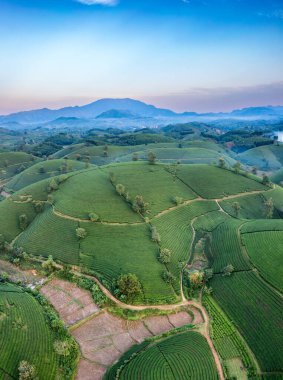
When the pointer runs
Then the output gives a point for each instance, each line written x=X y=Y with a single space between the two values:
x=186 y=55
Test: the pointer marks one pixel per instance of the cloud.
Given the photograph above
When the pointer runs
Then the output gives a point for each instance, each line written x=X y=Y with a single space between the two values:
x=278 y=13
x=108 y=3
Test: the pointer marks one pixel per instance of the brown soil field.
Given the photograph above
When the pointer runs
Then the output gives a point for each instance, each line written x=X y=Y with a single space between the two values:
x=72 y=303
x=105 y=337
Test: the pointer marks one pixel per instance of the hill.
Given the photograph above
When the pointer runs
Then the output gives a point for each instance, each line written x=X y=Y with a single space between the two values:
x=42 y=170
x=268 y=157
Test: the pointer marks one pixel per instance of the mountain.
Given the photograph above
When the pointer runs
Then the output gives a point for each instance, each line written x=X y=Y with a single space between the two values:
x=258 y=111
x=88 y=111
x=130 y=109
x=117 y=114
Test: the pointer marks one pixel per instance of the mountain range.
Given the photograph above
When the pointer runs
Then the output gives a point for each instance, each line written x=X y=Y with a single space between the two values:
x=129 y=109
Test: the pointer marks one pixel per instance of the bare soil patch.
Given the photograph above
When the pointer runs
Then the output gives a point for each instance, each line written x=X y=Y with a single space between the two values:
x=105 y=337
x=72 y=303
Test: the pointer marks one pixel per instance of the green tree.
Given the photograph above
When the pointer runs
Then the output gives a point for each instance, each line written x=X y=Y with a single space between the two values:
x=62 y=347
x=221 y=162
x=151 y=158
x=254 y=170
x=23 y=221
x=269 y=208
x=237 y=167
x=168 y=277
x=135 y=157
x=155 y=235
x=27 y=371
x=228 y=270
x=139 y=205
x=120 y=189
x=93 y=217
x=164 y=256
x=81 y=233
x=177 y=200
x=129 y=286
x=236 y=207
x=49 y=265
x=265 y=179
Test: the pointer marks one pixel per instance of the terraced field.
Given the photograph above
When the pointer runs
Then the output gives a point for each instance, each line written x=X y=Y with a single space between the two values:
x=182 y=356
x=225 y=183
x=61 y=241
x=130 y=250
x=24 y=335
x=265 y=250
x=226 y=247
x=176 y=233
x=92 y=192
x=251 y=207
x=42 y=170
x=256 y=310
x=147 y=180
x=12 y=162
x=268 y=157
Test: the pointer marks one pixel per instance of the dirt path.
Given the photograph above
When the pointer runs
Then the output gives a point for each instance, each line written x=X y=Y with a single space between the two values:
x=65 y=216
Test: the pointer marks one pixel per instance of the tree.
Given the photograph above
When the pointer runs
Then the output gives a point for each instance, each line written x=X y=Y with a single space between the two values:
x=81 y=233
x=208 y=274
x=228 y=270
x=52 y=186
x=237 y=167
x=155 y=235
x=151 y=158
x=93 y=217
x=49 y=265
x=41 y=170
x=265 y=179
x=135 y=157
x=105 y=151
x=23 y=221
x=196 y=279
x=164 y=256
x=221 y=162
x=129 y=286
x=168 y=277
x=62 y=347
x=27 y=371
x=177 y=200
x=269 y=208
x=236 y=206
x=139 y=205
x=120 y=189
x=254 y=170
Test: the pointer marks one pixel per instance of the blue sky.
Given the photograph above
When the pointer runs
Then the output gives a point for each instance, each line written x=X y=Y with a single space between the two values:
x=203 y=55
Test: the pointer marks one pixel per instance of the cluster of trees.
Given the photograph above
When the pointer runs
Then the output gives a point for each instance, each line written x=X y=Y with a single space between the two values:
x=128 y=287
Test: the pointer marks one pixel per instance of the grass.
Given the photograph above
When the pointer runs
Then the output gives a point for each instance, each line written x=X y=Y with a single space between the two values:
x=42 y=170
x=265 y=251
x=256 y=311
x=213 y=182
x=24 y=335
x=185 y=355
x=130 y=250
